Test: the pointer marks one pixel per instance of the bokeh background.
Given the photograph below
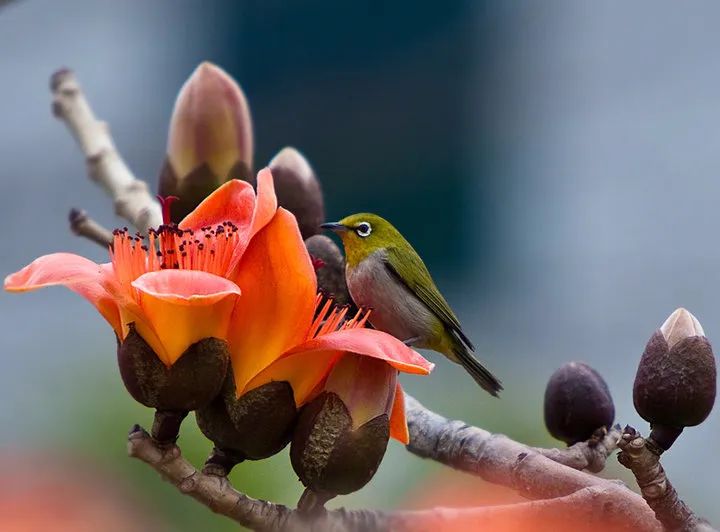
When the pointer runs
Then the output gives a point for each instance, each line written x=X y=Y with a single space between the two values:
x=555 y=163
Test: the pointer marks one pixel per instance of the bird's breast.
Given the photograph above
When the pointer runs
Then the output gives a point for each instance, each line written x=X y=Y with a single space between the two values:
x=395 y=309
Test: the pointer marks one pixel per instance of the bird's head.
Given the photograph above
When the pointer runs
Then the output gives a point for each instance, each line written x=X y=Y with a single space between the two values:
x=363 y=234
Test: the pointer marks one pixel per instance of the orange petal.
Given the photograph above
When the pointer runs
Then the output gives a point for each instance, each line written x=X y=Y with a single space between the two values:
x=266 y=203
x=278 y=285
x=182 y=307
x=304 y=373
x=77 y=273
x=265 y=208
x=232 y=202
x=372 y=343
x=398 y=421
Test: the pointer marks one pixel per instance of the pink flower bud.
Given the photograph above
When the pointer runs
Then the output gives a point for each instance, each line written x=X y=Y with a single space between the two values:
x=210 y=125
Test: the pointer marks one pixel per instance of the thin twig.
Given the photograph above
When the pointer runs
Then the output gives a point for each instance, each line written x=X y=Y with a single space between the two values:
x=82 y=225
x=130 y=195
x=655 y=487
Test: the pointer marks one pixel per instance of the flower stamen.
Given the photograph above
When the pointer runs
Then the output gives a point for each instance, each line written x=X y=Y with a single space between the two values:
x=329 y=318
x=169 y=247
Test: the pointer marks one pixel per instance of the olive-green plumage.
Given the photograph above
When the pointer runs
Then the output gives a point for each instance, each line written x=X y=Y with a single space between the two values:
x=384 y=273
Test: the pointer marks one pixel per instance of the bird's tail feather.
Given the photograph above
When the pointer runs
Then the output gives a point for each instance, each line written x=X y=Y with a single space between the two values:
x=477 y=371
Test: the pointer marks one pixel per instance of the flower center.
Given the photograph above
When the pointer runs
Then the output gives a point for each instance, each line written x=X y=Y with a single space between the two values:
x=209 y=249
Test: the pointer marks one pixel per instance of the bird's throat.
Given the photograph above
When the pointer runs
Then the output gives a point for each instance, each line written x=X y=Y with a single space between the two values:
x=355 y=254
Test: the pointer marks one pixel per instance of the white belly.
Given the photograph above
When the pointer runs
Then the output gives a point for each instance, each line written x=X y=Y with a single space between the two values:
x=395 y=309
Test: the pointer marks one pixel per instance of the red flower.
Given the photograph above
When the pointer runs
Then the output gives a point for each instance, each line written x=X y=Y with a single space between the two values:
x=235 y=269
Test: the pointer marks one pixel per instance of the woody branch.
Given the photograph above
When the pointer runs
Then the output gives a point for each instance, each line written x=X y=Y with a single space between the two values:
x=131 y=196
x=595 y=504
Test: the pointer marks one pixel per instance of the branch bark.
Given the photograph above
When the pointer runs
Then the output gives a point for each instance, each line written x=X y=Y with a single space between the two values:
x=589 y=456
x=82 y=225
x=130 y=195
x=500 y=460
x=654 y=484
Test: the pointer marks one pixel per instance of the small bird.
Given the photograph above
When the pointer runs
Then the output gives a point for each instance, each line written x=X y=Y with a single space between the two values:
x=384 y=273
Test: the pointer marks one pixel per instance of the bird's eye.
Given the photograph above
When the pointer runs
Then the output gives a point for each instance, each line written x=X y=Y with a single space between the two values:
x=363 y=229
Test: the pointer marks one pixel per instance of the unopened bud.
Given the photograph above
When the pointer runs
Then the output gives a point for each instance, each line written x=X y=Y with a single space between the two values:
x=342 y=435
x=210 y=139
x=329 y=268
x=577 y=403
x=680 y=324
x=298 y=190
x=675 y=384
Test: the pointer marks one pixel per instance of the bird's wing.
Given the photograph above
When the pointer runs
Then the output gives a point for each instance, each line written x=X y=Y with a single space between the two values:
x=410 y=270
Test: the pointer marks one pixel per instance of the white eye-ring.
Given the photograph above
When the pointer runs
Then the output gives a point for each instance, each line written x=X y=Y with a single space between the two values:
x=363 y=229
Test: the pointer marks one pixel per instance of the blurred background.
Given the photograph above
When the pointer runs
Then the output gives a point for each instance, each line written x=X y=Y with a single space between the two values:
x=555 y=163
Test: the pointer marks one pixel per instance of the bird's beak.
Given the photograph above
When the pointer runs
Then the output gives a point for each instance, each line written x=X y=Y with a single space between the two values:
x=334 y=226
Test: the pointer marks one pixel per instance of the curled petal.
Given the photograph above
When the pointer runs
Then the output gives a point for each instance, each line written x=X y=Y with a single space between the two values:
x=368 y=342
x=398 y=421
x=77 y=273
x=232 y=202
x=266 y=203
x=182 y=307
x=265 y=208
x=278 y=284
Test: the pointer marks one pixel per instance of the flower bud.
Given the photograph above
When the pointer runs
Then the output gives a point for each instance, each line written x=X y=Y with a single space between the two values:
x=210 y=139
x=329 y=268
x=676 y=378
x=342 y=435
x=298 y=190
x=190 y=383
x=254 y=426
x=577 y=403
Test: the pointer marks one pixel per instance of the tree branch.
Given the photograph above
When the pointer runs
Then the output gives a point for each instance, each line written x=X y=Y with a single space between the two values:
x=592 y=508
x=130 y=195
x=500 y=460
x=590 y=455
x=589 y=507
x=82 y=225
x=655 y=487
